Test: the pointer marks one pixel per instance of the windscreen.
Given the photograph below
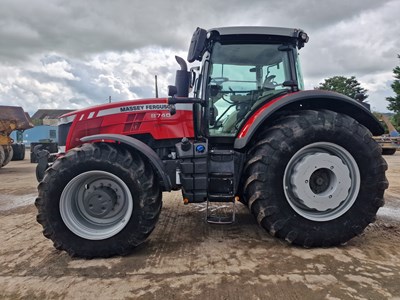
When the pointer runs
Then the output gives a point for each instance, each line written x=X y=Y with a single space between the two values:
x=241 y=76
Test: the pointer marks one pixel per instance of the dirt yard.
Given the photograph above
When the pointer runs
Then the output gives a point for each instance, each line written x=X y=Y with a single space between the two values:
x=185 y=258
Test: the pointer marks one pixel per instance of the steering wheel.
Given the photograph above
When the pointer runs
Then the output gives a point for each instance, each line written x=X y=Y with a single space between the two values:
x=219 y=80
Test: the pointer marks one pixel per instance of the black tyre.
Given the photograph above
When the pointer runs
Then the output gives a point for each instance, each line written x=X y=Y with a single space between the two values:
x=388 y=151
x=8 y=154
x=315 y=179
x=2 y=156
x=98 y=200
x=19 y=152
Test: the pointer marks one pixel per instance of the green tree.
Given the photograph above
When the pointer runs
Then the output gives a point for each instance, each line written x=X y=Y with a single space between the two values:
x=394 y=102
x=344 y=85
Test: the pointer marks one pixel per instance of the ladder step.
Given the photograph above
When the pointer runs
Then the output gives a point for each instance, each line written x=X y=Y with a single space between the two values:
x=221 y=214
x=220 y=198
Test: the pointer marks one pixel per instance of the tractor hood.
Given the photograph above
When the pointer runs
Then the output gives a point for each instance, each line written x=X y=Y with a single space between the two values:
x=117 y=107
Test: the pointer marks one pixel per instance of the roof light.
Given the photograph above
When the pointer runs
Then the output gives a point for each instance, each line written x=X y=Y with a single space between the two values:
x=304 y=37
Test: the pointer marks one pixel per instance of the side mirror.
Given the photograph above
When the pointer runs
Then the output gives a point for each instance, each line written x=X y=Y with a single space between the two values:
x=197 y=45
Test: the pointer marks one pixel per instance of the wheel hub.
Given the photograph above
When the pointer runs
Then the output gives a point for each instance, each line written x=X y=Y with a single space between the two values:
x=96 y=205
x=100 y=202
x=321 y=181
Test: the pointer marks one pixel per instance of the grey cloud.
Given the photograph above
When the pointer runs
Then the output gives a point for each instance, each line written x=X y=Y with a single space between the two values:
x=78 y=28
x=77 y=53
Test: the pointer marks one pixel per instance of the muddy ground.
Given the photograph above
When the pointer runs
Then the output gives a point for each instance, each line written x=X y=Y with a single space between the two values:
x=186 y=258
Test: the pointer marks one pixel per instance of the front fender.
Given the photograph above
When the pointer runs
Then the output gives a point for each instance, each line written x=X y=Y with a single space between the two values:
x=313 y=99
x=139 y=146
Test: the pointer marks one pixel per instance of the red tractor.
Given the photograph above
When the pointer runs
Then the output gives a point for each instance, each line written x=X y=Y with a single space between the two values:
x=304 y=162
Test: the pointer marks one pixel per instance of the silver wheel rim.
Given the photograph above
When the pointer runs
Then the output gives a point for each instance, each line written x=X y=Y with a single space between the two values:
x=321 y=181
x=96 y=205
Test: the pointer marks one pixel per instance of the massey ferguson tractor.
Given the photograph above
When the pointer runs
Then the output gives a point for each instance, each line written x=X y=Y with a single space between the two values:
x=304 y=162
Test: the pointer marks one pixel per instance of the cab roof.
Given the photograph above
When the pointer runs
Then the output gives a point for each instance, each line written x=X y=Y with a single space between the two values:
x=262 y=30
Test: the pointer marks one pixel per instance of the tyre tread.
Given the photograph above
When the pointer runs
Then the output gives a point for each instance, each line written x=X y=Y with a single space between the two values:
x=280 y=137
x=132 y=163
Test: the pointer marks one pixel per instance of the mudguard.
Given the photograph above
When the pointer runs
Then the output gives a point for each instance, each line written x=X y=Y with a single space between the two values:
x=139 y=146
x=312 y=99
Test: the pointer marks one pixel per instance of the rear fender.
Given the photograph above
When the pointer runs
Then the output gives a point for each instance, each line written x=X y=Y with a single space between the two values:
x=139 y=146
x=313 y=99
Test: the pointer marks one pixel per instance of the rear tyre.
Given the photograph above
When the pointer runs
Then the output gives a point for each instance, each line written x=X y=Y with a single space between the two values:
x=98 y=201
x=19 y=152
x=2 y=156
x=8 y=154
x=315 y=179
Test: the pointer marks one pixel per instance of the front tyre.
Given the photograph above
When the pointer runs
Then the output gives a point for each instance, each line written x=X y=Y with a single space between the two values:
x=98 y=200
x=316 y=178
x=18 y=151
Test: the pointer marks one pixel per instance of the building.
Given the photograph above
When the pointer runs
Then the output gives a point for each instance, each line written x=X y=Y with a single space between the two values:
x=48 y=116
x=45 y=129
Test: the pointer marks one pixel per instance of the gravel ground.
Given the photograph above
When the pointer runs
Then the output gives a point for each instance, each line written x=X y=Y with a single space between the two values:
x=186 y=258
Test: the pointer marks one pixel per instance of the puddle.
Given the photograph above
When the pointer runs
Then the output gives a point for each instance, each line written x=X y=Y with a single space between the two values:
x=8 y=202
x=389 y=212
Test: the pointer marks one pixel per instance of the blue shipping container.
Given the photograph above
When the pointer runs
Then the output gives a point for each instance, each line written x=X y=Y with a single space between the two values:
x=37 y=133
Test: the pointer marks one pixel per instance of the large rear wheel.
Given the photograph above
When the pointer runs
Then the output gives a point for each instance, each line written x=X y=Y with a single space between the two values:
x=98 y=201
x=316 y=178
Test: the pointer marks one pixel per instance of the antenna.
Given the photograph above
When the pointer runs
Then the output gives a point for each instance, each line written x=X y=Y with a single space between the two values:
x=156 y=85
x=109 y=99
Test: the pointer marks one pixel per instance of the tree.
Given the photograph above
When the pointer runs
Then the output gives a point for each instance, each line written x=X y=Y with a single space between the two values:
x=344 y=85
x=394 y=102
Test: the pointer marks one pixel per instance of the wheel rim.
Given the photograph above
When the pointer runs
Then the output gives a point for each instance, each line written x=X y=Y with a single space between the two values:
x=321 y=181
x=96 y=205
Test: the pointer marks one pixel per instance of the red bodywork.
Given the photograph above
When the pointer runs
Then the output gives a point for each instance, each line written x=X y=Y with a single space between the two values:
x=143 y=116
x=245 y=129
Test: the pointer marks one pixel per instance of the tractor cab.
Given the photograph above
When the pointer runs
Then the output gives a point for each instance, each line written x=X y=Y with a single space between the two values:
x=242 y=69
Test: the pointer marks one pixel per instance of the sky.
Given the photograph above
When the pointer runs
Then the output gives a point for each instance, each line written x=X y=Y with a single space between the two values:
x=73 y=54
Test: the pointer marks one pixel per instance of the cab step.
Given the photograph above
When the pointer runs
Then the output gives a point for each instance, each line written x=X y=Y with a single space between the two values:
x=221 y=209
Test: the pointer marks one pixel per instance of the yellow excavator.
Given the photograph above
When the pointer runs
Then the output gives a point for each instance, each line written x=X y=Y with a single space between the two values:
x=389 y=142
x=12 y=118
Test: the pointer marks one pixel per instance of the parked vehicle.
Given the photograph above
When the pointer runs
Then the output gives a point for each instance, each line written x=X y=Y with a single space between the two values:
x=389 y=142
x=12 y=118
x=304 y=162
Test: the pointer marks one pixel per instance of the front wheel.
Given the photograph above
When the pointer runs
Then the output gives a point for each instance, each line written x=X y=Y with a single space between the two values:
x=316 y=178
x=98 y=200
